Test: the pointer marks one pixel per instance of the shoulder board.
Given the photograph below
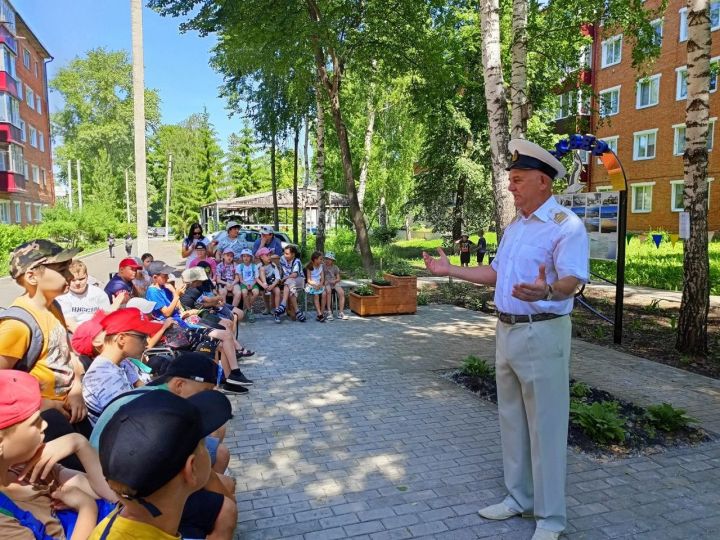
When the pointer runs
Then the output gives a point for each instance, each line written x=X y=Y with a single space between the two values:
x=559 y=217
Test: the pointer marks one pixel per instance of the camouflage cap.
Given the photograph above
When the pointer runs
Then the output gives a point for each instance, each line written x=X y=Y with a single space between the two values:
x=36 y=252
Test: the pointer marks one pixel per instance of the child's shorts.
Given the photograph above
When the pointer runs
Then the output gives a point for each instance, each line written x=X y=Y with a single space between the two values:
x=244 y=287
x=292 y=284
x=312 y=290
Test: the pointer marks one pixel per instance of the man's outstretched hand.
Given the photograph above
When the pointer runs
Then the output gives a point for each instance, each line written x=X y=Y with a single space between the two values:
x=532 y=292
x=439 y=266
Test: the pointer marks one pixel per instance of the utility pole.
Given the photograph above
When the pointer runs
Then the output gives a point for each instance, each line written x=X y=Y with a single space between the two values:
x=70 y=193
x=167 y=196
x=139 y=125
x=79 y=179
x=127 y=193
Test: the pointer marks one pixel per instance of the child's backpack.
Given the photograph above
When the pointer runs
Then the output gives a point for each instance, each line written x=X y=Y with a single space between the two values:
x=37 y=339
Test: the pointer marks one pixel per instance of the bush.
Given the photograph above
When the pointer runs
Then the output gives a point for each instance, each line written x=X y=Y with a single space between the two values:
x=400 y=267
x=363 y=290
x=422 y=298
x=600 y=421
x=667 y=418
x=383 y=235
x=379 y=279
x=579 y=390
x=477 y=367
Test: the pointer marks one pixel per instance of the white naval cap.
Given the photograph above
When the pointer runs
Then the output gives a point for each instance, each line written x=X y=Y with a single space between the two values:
x=528 y=155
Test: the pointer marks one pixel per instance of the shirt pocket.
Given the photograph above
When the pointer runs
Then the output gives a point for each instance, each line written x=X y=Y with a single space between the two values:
x=528 y=261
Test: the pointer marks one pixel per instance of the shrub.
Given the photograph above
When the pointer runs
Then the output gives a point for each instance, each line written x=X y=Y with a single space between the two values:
x=667 y=418
x=422 y=298
x=383 y=235
x=401 y=267
x=379 y=279
x=363 y=290
x=579 y=390
x=600 y=421
x=477 y=367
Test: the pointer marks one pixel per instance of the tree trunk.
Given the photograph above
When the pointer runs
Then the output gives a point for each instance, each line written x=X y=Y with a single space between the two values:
x=273 y=181
x=496 y=102
x=295 y=185
x=518 y=76
x=320 y=173
x=306 y=182
x=367 y=149
x=458 y=209
x=693 y=318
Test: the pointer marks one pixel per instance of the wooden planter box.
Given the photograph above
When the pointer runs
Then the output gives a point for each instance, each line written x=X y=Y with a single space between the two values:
x=395 y=299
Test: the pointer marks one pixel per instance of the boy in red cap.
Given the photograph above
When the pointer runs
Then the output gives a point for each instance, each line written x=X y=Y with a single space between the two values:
x=28 y=494
x=110 y=374
x=121 y=283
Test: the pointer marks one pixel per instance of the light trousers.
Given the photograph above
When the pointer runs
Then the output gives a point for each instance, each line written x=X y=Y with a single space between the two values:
x=532 y=370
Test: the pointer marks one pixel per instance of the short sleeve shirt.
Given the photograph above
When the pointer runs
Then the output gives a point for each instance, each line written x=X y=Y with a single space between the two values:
x=332 y=274
x=248 y=273
x=189 y=298
x=226 y=272
x=552 y=235
x=275 y=246
x=163 y=298
x=122 y=528
x=53 y=369
x=116 y=285
x=236 y=244
x=81 y=307
x=102 y=382
x=290 y=267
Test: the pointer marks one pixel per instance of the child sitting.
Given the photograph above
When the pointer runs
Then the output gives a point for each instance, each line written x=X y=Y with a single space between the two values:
x=249 y=288
x=227 y=279
x=32 y=485
x=269 y=279
x=291 y=270
x=315 y=283
x=332 y=283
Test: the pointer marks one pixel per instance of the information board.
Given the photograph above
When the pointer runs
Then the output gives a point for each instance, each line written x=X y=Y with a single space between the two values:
x=599 y=213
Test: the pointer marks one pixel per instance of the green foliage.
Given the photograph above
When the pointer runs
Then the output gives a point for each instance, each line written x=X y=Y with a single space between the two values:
x=379 y=279
x=579 y=390
x=400 y=268
x=383 y=235
x=477 y=367
x=600 y=421
x=364 y=290
x=244 y=173
x=668 y=418
x=422 y=298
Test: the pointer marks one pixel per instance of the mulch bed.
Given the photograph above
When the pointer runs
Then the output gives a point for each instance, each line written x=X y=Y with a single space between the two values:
x=648 y=330
x=639 y=439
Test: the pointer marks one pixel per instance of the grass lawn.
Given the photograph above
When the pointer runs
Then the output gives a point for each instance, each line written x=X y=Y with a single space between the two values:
x=646 y=265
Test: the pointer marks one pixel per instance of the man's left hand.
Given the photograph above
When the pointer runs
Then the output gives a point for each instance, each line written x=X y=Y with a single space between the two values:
x=532 y=292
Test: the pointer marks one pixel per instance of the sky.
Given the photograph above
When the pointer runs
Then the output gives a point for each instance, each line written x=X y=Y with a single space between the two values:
x=176 y=65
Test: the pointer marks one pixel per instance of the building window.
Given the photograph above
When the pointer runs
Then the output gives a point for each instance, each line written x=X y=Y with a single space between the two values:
x=612 y=143
x=38 y=212
x=714 y=15
x=38 y=105
x=28 y=212
x=611 y=51
x=9 y=109
x=610 y=101
x=26 y=58
x=644 y=144
x=11 y=158
x=657 y=26
x=18 y=212
x=679 y=137
x=36 y=174
x=584 y=103
x=648 y=92
x=43 y=177
x=677 y=188
x=7 y=58
x=683 y=35
x=19 y=89
x=586 y=57
x=26 y=169
x=714 y=66
x=41 y=142
x=29 y=97
x=37 y=70
x=7 y=15
x=564 y=105
x=33 y=137
x=23 y=133
x=681 y=83
x=642 y=197
x=4 y=212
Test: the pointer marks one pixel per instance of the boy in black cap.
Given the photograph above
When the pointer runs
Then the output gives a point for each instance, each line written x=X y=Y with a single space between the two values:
x=153 y=455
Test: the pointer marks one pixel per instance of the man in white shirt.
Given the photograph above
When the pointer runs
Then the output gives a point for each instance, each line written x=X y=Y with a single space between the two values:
x=542 y=259
x=82 y=300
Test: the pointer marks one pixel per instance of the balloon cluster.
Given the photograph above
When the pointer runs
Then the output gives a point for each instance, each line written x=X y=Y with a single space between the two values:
x=588 y=143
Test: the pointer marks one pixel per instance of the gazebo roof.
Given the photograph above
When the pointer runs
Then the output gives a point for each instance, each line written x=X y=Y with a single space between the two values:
x=285 y=200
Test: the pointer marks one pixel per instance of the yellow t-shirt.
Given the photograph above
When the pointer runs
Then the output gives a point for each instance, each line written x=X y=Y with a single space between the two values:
x=53 y=370
x=127 y=529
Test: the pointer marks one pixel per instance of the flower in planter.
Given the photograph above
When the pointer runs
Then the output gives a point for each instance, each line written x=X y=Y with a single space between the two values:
x=363 y=290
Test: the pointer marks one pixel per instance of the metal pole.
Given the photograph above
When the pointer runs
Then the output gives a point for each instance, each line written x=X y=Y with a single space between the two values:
x=70 y=193
x=620 y=273
x=139 y=125
x=79 y=181
x=127 y=194
x=167 y=196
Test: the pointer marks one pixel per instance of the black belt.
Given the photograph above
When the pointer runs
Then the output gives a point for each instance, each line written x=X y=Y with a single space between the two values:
x=516 y=319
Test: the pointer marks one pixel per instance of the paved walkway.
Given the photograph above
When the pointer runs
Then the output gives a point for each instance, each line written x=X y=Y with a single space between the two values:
x=350 y=432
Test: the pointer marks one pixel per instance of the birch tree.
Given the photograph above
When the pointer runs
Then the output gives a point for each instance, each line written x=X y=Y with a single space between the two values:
x=320 y=172
x=692 y=322
x=518 y=82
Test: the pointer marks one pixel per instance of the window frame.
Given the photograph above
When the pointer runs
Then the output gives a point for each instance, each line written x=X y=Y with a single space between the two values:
x=716 y=6
x=17 y=212
x=35 y=174
x=27 y=60
x=33 y=137
x=682 y=25
x=41 y=141
x=4 y=211
x=710 y=138
x=601 y=112
x=649 y=79
x=673 y=195
x=662 y=28
x=679 y=71
x=23 y=132
x=633 y=188
x=637 y=134
x=603 y=44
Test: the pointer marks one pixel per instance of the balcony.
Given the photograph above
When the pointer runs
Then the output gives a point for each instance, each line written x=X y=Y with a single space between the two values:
x=11 y=182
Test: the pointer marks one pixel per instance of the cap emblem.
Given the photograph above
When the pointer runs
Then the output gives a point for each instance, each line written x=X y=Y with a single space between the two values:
x=515 y=156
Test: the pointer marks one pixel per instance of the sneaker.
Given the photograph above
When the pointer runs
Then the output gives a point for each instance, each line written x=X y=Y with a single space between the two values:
x=244 y=353
x=280 y=309
x=276 y=318
x=320 y=318
x=236 y=377
x=228 y=388
x=250 y=316
x=342 y=316
x=300 y=317
x=328 y=316
x=498 y=512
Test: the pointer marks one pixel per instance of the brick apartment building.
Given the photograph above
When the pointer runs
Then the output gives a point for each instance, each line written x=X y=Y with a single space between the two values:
x=643 y=121
x=26 y=179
